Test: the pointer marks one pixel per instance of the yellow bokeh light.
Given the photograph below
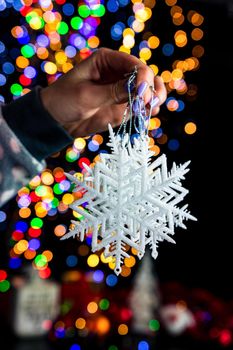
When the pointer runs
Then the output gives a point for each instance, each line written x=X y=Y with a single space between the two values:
x=180 y=38
x=134 y=251
x=22 y=245
x=102 y=325
x=193 y=63
x=153 y=42
x=128 y=41
x=104 y=259
x=197 y=19
x=190 y=128
x=166 y=76
x=154 y=68
x=145 y=53
x=93 y=260
x=92 y=307
x=22 y=62
x=130 y=262
x=151 y=142
x=77 y=215
x=123 y=329
x=155 y=149
x=112 y=264
x=50 y=68
x=79 y=143
x=197 y=34
x=67 y=198
x=60 y=57
x=41 y=212
x=142 y=15
x=47 y=178
x=122 y=48
x=67 y=66
x=182 y=65
x=138 y=26
x=48 y=254
x=93 y=42
x=177 y=74
x=128 y=31
x=36 y=22
x=80 y=323
x=35 y=181
x=24 y=212
x=154 y=123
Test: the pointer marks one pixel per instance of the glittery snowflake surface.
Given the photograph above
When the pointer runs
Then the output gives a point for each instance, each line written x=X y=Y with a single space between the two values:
x=129 y=200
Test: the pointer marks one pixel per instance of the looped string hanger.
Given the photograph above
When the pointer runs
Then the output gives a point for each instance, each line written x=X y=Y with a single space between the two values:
x=128 y=113
x=135 y=112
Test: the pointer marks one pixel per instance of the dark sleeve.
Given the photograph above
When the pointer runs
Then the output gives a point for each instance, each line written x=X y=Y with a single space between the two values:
x=37 y=130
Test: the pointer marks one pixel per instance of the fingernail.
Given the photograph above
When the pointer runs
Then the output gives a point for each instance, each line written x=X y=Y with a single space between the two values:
x=127 y=86
x=135 y=107
x=142 y=88
x=154 y=102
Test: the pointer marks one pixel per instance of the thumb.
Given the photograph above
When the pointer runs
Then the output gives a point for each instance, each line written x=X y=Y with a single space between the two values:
x=111 y=93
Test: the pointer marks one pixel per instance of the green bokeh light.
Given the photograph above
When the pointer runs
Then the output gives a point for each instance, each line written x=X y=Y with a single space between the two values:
x=4 y=286
x=27 y=51
x=36 y=223
x=104 y=304
x=62 y=28
x=76 y=22
x=84 y=11
x=154 y=325
x=16 y=89
x=40 y=260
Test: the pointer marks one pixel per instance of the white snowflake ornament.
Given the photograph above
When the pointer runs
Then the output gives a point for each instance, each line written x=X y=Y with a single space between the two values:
x=129 y=200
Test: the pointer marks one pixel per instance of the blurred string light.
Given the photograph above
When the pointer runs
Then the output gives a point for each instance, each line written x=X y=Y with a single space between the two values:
x=97 y=312
x=51 y=37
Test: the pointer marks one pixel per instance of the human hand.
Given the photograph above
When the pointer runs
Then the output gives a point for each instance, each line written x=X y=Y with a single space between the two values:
x=94 y=93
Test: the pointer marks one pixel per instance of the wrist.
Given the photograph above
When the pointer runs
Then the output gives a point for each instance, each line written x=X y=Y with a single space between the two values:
x=45 y=95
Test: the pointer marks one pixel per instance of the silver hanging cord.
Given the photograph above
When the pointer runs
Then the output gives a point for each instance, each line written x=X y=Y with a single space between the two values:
x=136 y=112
